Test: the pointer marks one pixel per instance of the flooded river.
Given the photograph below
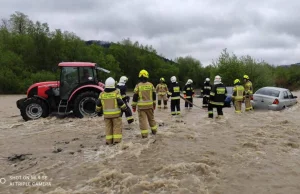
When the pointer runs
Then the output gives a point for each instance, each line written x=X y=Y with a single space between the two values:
x=256 y=152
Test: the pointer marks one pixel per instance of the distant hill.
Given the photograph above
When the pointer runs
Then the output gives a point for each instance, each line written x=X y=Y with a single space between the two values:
x=107 y=44
x=289 y=65
x=104 y=44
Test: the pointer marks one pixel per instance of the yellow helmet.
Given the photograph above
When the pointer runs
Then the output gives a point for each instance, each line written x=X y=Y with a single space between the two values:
x=236 y=81
x=144 y=73
x=162 y=79
x=246 y=77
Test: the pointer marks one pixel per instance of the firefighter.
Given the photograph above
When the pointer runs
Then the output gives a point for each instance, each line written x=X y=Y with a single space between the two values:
x=174 y=93
x=122 y=87
x=217 y=97
x=248 y=93
x=162 y=90
x=189 y=93
x=238 y=95
x=205 y=92
x=145 y=99
x=111 y=103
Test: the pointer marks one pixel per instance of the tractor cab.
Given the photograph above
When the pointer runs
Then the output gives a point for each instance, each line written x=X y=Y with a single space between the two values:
x=75 y=75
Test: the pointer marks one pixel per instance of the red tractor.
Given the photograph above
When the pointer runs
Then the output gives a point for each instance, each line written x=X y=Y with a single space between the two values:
x=77 y=92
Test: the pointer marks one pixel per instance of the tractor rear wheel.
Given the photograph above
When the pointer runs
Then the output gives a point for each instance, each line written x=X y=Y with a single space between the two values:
x=85 y=104
x=34 y=108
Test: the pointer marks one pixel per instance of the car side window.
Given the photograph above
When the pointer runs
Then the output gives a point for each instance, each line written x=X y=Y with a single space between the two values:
x=285 y=95
x=290 y=94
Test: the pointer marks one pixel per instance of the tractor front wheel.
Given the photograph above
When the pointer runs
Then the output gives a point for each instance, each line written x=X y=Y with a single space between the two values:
x=34 y=108
x=85 y=104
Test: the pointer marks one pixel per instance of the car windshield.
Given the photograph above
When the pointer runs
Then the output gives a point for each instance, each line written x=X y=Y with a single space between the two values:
x=268 y=92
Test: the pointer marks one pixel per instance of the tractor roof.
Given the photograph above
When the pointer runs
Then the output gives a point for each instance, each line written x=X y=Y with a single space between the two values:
x=76 y=64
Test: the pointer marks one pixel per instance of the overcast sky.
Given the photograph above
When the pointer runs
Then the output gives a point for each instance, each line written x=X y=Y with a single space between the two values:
x=265 y=29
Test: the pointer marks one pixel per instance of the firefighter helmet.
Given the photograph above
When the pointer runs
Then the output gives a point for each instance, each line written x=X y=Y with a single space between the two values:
x=236 y=81
x=217 y=78
x=189 y=81
x=246 y=77
x=162 y=79
x=144 y=73
x=123 y=79
x=110 y=83
x=207 y=80
x=173 y=79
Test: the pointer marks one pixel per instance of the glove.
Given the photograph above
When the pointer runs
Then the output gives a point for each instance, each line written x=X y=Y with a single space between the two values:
x=134 y=109
x=184 y=95
x=98 y=109
x=130 y=121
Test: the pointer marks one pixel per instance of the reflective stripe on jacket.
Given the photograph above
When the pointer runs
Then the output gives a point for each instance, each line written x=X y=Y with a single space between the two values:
x=110 y=104
x=188 y=90
x=218 y=94
x=161 y=89
x=238 y=93
x=145 y=95
x=248 y=88
x=174 y=91
x=206 y=89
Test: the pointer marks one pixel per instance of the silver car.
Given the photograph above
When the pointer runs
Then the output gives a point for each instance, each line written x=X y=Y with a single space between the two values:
x=273 y=98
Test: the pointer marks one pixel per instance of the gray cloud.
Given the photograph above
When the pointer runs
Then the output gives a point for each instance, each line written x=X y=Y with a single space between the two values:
x=266 y=30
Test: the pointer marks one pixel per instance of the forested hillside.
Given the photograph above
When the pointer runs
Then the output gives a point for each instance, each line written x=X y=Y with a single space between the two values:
x=30 y=52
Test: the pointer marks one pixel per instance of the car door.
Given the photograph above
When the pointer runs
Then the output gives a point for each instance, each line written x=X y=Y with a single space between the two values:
x=292 y=100
x=286 y=100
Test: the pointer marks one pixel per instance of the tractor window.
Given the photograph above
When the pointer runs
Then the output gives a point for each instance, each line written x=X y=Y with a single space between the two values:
x=68 y=81
x=70 y=75
x=86 y=74
x=95 y=75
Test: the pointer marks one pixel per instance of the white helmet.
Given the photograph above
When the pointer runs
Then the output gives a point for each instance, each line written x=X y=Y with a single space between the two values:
x=189 y=81
x=217 y=79
x=173 y=79
x=123 y=79
x=110 y=83
x=207 y=79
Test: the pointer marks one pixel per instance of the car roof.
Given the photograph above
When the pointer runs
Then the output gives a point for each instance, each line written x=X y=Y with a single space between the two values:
x=274 y=88
x=76 y=64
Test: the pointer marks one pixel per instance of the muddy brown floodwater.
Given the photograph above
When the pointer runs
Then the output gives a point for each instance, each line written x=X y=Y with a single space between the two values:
x=255 y=152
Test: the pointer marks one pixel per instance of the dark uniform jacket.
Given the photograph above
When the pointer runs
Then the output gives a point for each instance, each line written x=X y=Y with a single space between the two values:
x=206 y=89
x=218 y=94
x=123 y=90
x=188 y=90
x=174 y=91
